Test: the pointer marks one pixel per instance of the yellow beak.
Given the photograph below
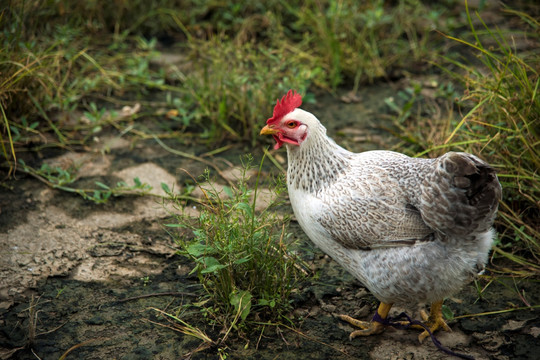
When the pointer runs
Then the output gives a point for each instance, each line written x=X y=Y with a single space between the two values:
x=268 y=130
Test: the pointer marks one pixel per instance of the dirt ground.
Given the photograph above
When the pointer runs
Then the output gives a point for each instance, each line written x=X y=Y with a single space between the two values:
x=86 y=277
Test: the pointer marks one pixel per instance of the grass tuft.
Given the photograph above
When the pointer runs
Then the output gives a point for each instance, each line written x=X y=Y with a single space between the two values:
x=365 y=41
x=241 y=254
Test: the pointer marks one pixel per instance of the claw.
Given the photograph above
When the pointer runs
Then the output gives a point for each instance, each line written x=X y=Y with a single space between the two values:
x=368 y=327
x=433 y=321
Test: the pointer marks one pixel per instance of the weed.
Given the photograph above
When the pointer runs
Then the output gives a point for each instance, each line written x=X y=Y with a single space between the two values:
x=242 y=55
x=364 y=40
x=145 y=280
x=45 y=77
x=94 y=116
x=241 y=256
x=60 y=292
x=403 y=106
x=55 y=63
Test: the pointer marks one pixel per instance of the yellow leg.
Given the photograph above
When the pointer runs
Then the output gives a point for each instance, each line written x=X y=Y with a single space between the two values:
x=368 y=327
x=434 y=320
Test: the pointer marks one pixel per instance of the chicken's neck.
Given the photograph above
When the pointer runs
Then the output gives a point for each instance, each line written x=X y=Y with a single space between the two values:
x=316 y=163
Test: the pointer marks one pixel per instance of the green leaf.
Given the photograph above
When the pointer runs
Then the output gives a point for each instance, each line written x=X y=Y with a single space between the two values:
x=200 y=233
x=212 y=265
x=222 y=109
x=242 y=260
x=265 y=302
x=246 y=208
x=183 y=226
x=447 y=313
x=165 y=188
x=228 y=191
x=102 y=185
x=197 y=249
x=137 y=181
x=241 y=300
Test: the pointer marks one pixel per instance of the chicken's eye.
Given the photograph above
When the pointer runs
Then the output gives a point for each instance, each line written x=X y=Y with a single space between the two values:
x=291 y=124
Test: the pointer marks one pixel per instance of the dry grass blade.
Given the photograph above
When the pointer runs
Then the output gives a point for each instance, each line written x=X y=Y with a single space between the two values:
x=192 y=157
x=75 y=347
x=187 y=329
x=496 y=312
x=12 y=156
x=184 y=327
x=310 y=338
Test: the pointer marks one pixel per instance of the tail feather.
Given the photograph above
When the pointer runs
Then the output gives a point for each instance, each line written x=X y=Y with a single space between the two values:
x=461 y=195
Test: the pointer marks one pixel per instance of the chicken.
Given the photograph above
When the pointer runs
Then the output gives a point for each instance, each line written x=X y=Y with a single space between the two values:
x=411 y=230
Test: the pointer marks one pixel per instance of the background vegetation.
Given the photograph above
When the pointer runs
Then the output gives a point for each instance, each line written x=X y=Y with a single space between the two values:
x=67 y=67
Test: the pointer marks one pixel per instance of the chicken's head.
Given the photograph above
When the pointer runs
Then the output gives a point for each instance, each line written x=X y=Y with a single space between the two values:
x=288 y=124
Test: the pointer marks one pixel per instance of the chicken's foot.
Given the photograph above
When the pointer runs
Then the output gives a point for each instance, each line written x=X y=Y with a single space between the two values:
x=434 y=320
x=368 y=327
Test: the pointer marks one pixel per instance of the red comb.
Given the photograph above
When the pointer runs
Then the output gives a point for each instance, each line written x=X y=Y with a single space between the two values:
x=287 y=104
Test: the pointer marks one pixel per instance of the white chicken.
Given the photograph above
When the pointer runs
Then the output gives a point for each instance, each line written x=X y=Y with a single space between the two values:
x=411 y=230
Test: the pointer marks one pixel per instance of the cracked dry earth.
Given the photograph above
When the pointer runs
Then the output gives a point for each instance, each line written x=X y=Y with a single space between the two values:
x=74 y=275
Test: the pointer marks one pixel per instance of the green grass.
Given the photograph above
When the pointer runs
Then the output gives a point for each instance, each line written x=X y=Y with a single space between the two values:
x=45 y=83
x=60 y=58
x=365 y=41
x=228 y=86
x=241 y=254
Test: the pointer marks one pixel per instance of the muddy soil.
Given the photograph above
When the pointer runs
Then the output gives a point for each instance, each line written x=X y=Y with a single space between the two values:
x=87 y=279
